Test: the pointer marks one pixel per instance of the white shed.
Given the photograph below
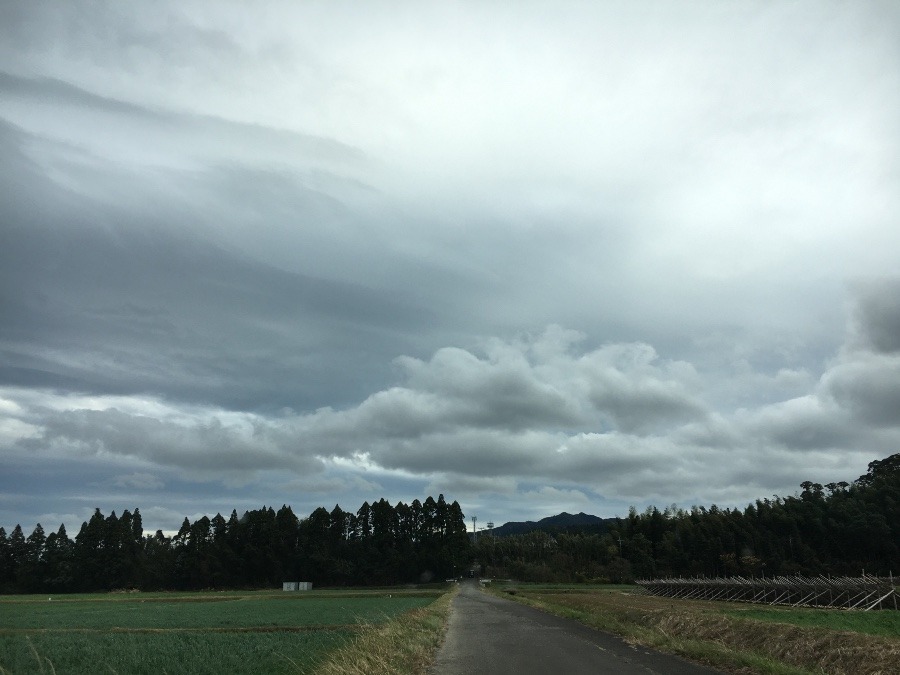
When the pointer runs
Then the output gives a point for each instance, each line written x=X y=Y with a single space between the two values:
x=296 y=585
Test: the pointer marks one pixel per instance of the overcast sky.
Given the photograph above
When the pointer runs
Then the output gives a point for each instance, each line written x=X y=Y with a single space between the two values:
x=535 y=256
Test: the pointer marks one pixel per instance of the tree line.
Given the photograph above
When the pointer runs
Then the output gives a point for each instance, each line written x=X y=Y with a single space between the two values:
x=379 y=544
x=839 y=528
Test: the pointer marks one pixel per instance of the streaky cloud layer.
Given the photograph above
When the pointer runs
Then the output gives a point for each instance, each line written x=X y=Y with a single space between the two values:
x=580 y=259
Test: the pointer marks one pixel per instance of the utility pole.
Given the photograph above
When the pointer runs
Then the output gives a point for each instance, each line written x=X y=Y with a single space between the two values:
x=474 y=531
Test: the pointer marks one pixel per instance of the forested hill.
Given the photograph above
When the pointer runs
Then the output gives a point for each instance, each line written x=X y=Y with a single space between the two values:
x=838 y=528
x=563 y=522
x=377 y=544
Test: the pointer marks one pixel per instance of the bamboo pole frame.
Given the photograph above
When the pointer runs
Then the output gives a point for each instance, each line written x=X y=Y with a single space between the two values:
x=796 y=591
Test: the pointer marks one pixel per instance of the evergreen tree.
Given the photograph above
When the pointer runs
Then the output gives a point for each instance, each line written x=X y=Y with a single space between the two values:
x=457 y=541
x=7 y=570
x=364 y=522
x=159 y=569
x=225 y=563
x=59 y=574
x=31 y=570
x=89 y=554
x=18 y=549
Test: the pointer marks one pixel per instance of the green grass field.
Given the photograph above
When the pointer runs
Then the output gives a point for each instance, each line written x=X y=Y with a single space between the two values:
x=199 y=633
x=886 y=623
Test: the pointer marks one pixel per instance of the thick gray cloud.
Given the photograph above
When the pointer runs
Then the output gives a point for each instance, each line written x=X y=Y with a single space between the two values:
x=579 y=259
x=878 y=314
x=121 y=300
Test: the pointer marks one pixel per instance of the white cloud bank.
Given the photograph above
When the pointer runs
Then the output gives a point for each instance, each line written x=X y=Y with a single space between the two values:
x=615 y=422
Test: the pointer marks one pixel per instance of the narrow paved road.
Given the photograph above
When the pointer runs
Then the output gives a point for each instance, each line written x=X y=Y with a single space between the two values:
x=497 y=636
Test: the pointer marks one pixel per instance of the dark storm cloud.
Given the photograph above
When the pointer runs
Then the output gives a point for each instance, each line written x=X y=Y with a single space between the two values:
x=239 y=448
x=801 y=424
x=475 y=452
x=149 y=311
x=640 y=398
x=878 y=314
x=498 y=391
x=865 y=378
x=136 y=305
x=869 y=388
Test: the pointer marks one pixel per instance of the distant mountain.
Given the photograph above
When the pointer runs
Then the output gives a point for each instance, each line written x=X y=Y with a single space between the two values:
x=564 y=522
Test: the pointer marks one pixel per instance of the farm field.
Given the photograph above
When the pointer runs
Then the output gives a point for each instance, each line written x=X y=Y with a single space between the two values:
x=269 y=632
x=885 y=623
x=732 y=636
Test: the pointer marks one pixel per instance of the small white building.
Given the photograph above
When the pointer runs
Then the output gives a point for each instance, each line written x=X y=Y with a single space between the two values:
x=296 y=585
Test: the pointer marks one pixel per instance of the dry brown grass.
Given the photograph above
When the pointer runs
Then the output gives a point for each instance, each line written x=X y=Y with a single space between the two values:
x=703 y=631
x=833 y=652
x=403 y=646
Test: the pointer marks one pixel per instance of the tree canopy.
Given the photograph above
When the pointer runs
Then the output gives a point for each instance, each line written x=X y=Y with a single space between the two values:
x=378 y=544
x=837 y=528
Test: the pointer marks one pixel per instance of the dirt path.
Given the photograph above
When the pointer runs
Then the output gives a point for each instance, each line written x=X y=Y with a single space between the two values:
x=497 y=636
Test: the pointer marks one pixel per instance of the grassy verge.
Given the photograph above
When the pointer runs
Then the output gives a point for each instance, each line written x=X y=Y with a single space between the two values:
x=405 y=645
x=729 y=636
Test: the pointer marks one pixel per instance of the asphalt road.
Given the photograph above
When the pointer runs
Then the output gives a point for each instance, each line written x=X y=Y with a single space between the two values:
x=498 y=636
